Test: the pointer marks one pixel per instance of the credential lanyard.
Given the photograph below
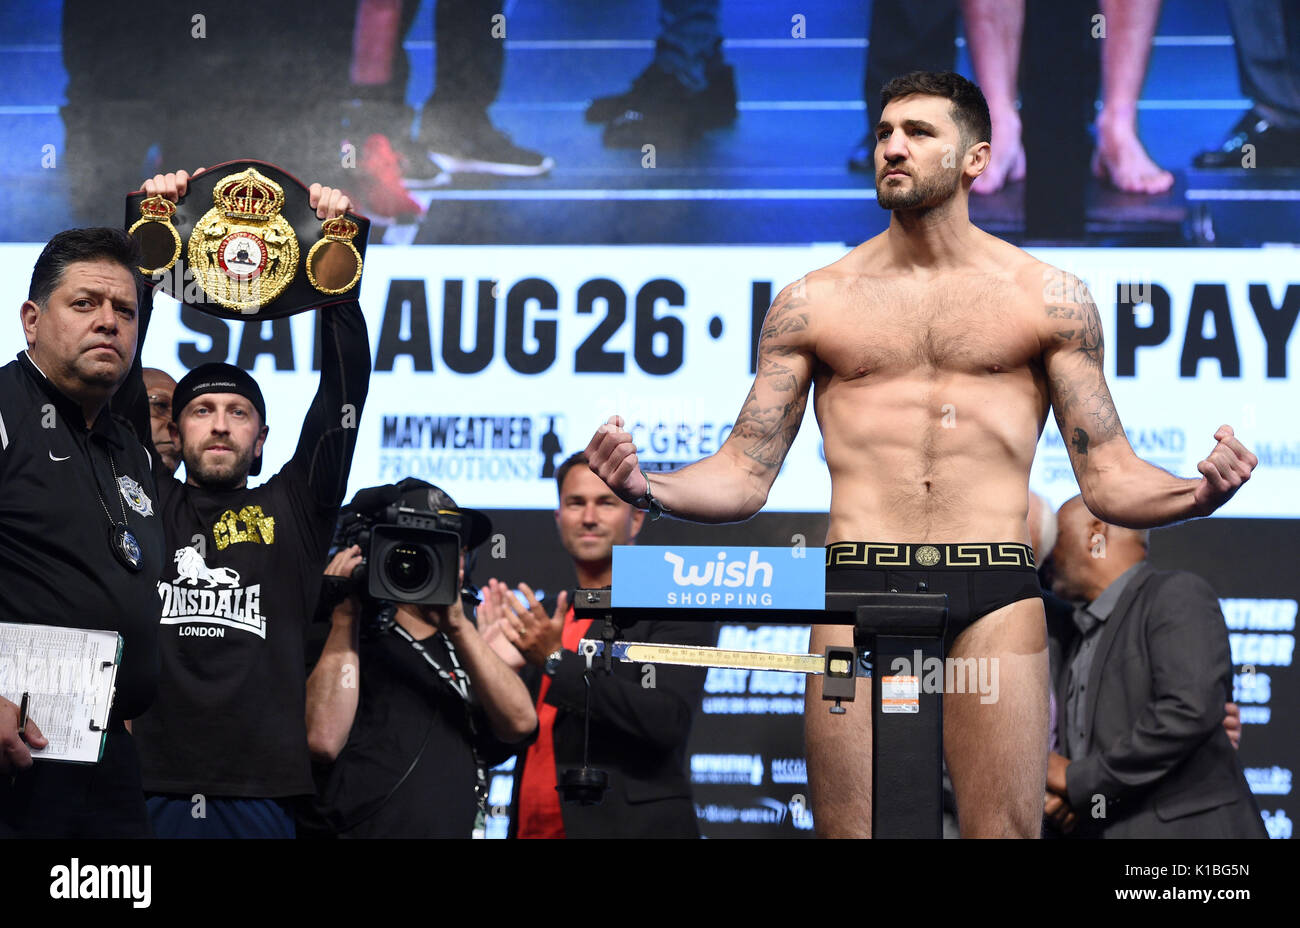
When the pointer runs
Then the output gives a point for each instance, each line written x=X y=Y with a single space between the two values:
x=458 y=680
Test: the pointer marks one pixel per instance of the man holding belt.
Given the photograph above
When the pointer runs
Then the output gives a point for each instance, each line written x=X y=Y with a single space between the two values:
x=80 y=542
x=224 y=749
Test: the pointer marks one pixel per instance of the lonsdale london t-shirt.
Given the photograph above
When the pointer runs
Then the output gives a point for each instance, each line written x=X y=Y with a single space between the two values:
x=241 y=575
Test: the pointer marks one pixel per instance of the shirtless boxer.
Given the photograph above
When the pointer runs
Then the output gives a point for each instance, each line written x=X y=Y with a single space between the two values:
x=935 y=350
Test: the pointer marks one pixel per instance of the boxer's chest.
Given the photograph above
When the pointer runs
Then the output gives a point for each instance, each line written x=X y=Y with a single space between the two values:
x=965 y=326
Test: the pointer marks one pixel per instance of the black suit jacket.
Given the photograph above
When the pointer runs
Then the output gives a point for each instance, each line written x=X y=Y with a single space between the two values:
x=1158 y=762
x=638 y=737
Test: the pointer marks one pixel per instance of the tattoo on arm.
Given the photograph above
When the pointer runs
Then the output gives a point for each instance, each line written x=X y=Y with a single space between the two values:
x=769 y=420
x=1086 y=330
x=1078 y=382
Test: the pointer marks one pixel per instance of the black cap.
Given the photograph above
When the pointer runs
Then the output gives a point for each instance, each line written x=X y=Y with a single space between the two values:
x=424 y=497
x=219 y=378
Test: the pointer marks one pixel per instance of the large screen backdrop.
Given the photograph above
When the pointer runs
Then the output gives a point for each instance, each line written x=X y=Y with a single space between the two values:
x=493 y=363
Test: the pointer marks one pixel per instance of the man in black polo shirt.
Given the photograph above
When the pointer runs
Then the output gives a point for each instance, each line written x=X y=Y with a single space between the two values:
x=224 y=748
x=81 y=544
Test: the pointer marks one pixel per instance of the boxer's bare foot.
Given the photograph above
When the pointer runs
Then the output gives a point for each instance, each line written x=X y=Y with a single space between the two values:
x=1122 y=160
x=1008 y=159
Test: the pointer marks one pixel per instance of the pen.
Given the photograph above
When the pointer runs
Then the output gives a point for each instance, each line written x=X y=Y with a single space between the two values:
x=22 y=717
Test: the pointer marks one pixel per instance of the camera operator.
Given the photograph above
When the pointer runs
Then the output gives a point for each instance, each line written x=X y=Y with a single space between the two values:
x=407 y=706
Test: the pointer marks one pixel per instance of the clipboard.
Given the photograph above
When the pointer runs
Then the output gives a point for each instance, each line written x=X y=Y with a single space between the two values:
x=70 y=677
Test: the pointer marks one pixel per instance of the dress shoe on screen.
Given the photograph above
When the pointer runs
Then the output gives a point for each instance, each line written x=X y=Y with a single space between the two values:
x=674 y=115
x=862 y=159
x=1274 y=146
x=711 y=107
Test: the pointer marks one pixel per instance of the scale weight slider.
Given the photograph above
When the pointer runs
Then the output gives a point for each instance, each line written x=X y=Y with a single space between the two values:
x=838 y=681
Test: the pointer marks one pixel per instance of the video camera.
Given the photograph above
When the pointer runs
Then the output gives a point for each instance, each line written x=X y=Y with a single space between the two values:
x=408 y=557
x=410 y=535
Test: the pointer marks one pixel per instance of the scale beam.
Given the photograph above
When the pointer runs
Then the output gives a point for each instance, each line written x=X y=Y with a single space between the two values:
x=640 y=652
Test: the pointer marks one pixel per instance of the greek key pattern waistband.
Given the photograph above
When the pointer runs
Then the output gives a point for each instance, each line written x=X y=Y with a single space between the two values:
x=879 y=554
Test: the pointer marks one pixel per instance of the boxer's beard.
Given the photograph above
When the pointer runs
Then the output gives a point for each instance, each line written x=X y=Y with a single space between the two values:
x=924 y=192
x=230 y=475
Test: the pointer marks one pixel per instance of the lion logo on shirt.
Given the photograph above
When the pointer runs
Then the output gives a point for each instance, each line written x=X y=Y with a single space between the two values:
x=204 y=601
x=191 y=568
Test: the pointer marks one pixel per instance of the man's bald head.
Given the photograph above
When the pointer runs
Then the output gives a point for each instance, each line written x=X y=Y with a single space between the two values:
x=154 y=378
x=1089 y=553
x=160 y=386
x=1136 y=538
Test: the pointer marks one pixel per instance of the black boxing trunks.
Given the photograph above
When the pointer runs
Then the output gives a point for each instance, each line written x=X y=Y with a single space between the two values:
x=977 y=577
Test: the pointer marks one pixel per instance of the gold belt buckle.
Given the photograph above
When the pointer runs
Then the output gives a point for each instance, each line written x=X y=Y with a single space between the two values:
x=243 y=252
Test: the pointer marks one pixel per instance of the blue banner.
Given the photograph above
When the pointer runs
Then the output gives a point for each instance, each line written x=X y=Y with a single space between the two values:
x=719 y=578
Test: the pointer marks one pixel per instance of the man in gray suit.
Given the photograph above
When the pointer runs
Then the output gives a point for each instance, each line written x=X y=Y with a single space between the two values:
x=1141 y=695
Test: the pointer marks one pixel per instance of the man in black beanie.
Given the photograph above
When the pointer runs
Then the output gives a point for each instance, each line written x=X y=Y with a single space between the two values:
x=221 y=454
x=224 y=747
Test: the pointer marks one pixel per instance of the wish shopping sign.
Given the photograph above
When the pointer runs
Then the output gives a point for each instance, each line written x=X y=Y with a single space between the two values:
x=719 y=578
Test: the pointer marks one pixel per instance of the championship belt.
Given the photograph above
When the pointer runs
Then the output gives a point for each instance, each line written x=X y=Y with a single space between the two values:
x=245 y=243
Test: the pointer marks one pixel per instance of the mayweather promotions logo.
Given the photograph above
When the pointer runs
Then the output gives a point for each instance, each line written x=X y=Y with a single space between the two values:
x=243 y=252
x=480 y=448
